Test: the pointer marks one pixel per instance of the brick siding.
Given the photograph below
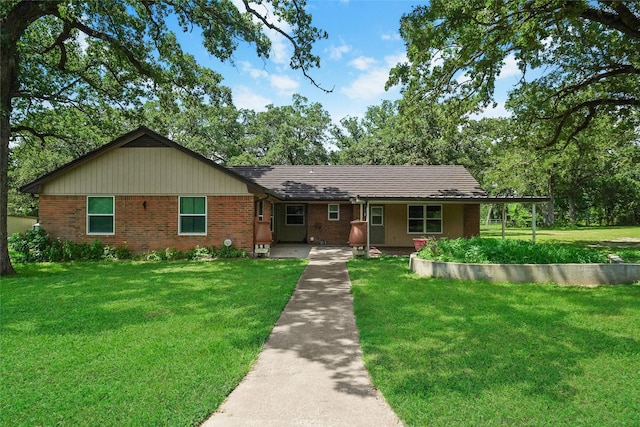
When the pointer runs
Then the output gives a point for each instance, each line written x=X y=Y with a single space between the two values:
x=471 y=226
x=152 y=225
x=329 y=232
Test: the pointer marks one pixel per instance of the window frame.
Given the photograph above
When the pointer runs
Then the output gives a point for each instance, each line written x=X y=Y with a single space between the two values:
x=287 y=215
x=337 y=212
x=261 y=210
x=271 y=216
x=381 y=207
x=112 y=215
x=425 y=219
x=205 y=215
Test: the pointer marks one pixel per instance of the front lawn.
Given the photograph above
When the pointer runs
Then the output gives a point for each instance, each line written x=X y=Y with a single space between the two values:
x=447 y=353
x=125 y=343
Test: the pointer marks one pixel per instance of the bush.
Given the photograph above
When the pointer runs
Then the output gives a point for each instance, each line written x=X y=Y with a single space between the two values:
x=506 y=251
x=228 y=252
x=32 y=246
x=37 y=246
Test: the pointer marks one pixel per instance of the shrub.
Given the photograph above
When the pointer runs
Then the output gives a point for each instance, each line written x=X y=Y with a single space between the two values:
x=505 y=251
x=153 y=256
x=229 y=252
x=32 y=246
x=37 y=246
x=199 y=254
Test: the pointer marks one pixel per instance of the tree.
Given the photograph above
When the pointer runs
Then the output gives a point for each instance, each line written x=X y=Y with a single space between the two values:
x=388 y=136
x=289 y=135
x=95 y=54
x=587 y=54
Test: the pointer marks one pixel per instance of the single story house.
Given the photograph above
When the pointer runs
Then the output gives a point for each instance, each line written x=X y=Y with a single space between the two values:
x=150 y=193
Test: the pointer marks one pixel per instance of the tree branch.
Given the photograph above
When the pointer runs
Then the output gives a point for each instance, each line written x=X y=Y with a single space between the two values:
x=62 y=37
x=591 y=106
x=296 y=47
x=624 y=20
x=131 y=57
x=620 y=70
x=40 y=135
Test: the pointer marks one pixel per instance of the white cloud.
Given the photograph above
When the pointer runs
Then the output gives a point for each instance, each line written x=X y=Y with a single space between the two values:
x=362 y=63
x=255 y=73
x=492 y=112
x=280 y=46
x=82 y=38
x=510 y=68
x=367 y=86
x=370 y=84
x=393 y=60
x=285 y=85
x=391 y=36
x=243 y=97
x=336 y=52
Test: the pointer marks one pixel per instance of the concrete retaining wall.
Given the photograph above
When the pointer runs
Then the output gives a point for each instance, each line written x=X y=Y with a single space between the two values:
x=564 y=274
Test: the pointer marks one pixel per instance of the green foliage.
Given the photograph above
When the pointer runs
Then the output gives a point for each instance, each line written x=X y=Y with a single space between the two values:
x=37 y=246
x=133 y=343
x=581 y=60
x=32 y=246
x=508 y=251
x=67 y=65
x=199 y=253
x=446 y=352
x=289 y=135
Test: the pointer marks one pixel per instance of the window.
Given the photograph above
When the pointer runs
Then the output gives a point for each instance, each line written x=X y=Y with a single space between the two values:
x=377 y=216
x=192 y=215
x=100 y=215
x=294 y=215
x=273 y=207
x=334 y=212
x=261 y=210
x=424 y=219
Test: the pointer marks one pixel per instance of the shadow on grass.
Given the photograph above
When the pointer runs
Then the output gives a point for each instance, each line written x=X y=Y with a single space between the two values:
x=429 y=336
x=90 y=298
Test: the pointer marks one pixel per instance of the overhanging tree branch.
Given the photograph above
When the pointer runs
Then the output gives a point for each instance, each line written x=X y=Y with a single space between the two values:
x=297 y=50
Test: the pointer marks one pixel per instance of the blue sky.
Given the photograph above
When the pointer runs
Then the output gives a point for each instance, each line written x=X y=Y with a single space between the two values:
x=363 y=44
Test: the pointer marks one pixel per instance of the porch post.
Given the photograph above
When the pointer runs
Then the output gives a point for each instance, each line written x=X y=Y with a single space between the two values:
x=533 y=224
x=504 y=217
x=368 y=234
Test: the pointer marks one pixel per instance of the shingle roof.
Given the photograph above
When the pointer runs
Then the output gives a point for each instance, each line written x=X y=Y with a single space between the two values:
x=371 y=182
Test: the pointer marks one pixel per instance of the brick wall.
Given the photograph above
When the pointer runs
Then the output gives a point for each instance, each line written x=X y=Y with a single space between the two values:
x=148 y=223
x=331 y=232
x=471 y=226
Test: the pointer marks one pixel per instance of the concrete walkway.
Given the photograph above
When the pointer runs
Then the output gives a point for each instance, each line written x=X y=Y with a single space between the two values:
x=310 y=372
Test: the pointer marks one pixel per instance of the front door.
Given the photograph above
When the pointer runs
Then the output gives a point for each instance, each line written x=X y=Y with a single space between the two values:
x=291 y=222
x=376 y=225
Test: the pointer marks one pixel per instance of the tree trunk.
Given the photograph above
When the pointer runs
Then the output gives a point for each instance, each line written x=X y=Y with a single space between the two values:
x=572 y=210
x=550 y=217
x=7 y=84
x=487 y=221
x=12 y=27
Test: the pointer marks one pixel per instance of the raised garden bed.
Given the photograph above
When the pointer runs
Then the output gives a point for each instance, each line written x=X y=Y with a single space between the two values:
x=565 y=274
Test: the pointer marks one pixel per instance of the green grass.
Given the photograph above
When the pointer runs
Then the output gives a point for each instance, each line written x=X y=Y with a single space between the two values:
x=474 y=353
x=130 y=343
x=623 y=241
